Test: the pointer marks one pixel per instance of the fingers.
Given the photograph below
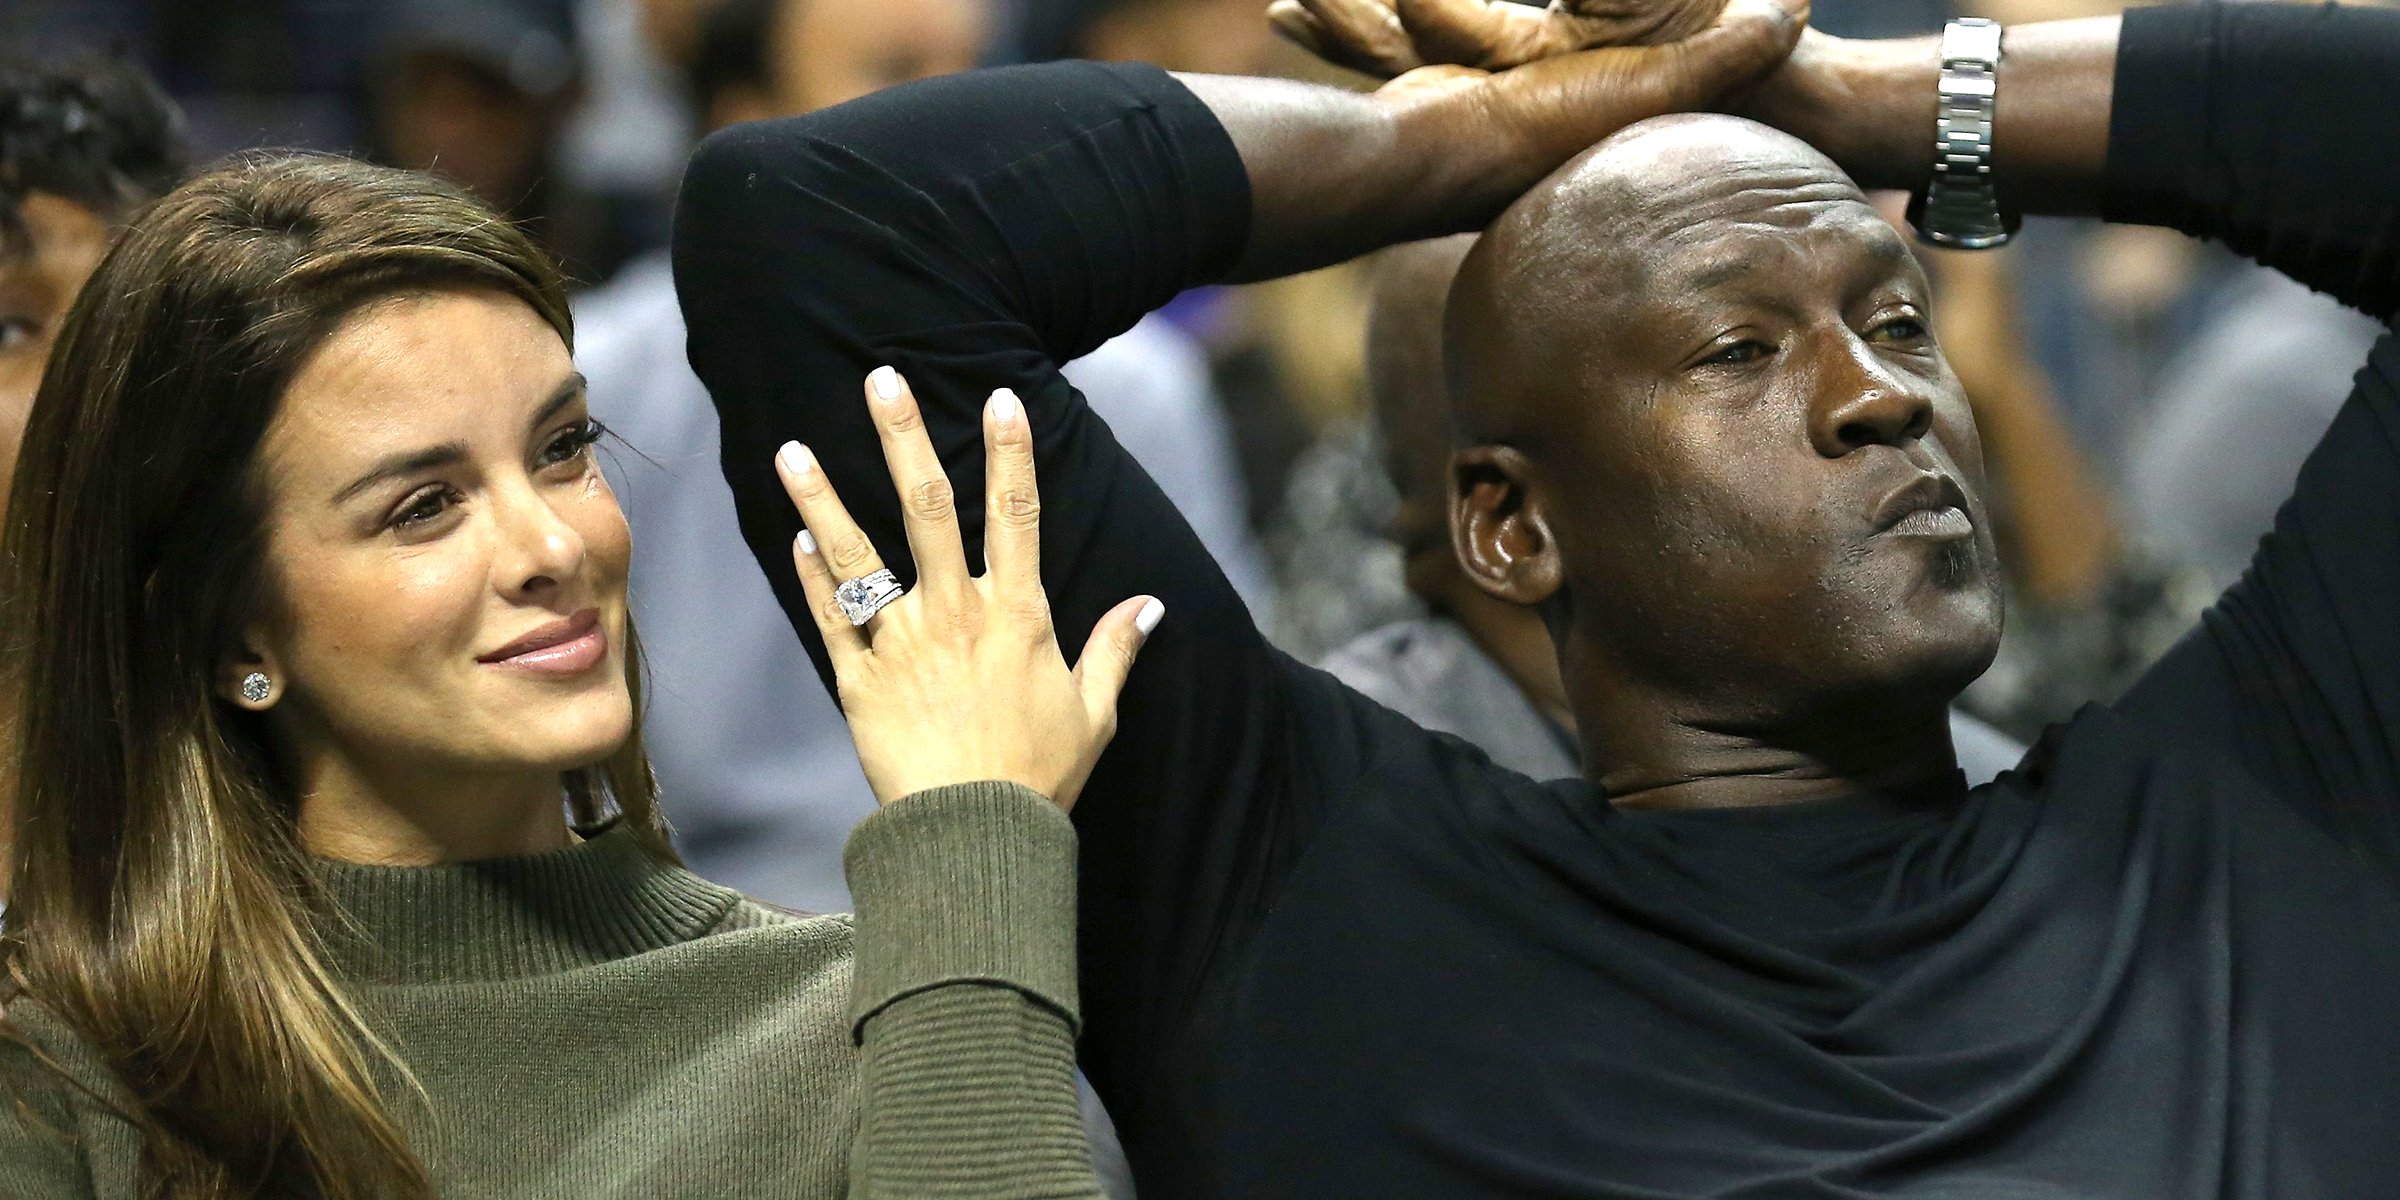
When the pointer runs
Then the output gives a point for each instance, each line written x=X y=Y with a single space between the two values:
x=1429 y=83
x=1748 y=39
x=802 y=478
x=1108 y=656
x=1363 y=35
x=1638 y=22
x=843 y=550
x=1491 y=34
x=928 y=506
x=1012 y=501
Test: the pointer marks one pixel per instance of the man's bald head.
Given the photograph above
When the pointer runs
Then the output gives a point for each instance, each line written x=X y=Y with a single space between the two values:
x=1562 y=265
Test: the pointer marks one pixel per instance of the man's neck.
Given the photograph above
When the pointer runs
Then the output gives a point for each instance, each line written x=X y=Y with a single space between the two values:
x=1652 y=750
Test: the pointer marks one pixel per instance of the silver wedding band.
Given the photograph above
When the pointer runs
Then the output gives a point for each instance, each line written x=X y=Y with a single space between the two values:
x=861 y=598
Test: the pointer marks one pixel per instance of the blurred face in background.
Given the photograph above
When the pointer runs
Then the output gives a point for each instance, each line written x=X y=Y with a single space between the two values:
x=824 y=52
x=442 y=113
x=40 y=275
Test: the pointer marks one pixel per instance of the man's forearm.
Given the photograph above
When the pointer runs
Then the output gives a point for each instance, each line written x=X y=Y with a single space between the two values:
x=1336 y=174
x=1870 y=105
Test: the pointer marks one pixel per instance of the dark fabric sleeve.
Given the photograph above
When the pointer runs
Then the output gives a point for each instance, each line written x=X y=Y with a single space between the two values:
x=2277 y=128
x=974 y=232
x=2271 y=127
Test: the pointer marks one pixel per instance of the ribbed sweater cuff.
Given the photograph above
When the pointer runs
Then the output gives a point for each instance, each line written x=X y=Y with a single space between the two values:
x=973 y=883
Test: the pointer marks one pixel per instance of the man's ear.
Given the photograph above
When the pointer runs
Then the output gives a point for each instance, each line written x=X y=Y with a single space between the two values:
x=1498 y=527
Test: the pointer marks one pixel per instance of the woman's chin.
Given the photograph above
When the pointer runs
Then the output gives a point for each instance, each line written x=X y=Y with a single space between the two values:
x=574 y=736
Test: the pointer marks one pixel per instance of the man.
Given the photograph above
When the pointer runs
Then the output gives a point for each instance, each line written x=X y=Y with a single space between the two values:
x=1475 y=665
x=754 y=760
x=1771 y=946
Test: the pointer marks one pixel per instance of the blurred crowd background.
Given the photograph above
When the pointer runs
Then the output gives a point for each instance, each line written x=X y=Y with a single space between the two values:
x=2144 y=399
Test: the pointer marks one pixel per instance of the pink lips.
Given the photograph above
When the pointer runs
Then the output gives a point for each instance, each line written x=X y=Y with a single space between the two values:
x=569 y=646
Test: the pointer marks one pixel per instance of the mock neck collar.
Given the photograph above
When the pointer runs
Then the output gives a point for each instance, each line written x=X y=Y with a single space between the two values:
x=603 y=899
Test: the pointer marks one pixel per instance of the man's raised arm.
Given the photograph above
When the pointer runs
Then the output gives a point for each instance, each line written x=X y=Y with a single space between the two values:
x=977 y=230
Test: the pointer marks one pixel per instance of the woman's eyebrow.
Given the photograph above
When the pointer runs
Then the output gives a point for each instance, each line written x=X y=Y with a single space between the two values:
x=451 y=453
x=569 y=390
x=405 y=463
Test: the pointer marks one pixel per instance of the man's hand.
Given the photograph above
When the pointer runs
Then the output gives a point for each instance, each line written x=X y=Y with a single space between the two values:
x=1388 y=38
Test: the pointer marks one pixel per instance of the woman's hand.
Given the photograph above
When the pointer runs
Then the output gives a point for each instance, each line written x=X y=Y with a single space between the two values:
x=961 y=679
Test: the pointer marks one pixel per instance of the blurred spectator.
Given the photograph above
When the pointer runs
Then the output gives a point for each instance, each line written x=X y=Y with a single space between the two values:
x=478 y=91
x=82 y=145
x=736 y=712
x=1475 y=666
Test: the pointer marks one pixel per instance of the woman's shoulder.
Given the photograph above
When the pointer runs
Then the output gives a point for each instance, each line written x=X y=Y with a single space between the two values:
x=748 y=913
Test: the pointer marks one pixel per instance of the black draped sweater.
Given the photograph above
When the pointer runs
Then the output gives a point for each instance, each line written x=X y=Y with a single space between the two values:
x=1326 y=953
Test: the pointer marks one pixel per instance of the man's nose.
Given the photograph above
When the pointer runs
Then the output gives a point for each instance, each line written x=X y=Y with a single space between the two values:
x=1863 y=402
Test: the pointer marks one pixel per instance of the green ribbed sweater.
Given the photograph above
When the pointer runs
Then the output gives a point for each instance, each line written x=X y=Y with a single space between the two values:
x=593 y=1023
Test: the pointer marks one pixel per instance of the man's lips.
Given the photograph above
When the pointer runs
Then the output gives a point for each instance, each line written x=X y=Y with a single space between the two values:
x=566 y=646
x=1929 y=505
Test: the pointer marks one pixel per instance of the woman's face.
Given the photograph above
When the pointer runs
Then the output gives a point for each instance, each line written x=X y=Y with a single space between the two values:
x=446 y=565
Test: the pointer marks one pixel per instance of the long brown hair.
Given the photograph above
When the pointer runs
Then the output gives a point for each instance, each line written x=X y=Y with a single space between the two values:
x=161 y=904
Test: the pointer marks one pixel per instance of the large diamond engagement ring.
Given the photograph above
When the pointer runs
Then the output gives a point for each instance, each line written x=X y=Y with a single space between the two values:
x=863 y=597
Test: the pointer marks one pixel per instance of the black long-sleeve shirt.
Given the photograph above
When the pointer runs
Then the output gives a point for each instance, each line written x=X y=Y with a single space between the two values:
x=1328 y=954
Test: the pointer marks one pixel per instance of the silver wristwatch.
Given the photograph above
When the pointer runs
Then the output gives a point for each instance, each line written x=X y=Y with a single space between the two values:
x=1960 y=206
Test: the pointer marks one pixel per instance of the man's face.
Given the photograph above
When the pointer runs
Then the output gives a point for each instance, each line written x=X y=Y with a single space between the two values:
x=39 y=278
x=1769 y=487
x=830 y=51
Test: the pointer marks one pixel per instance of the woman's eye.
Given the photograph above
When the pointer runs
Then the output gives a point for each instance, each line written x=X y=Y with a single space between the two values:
x=16 y=333
x=421 y=508
x=572 y=442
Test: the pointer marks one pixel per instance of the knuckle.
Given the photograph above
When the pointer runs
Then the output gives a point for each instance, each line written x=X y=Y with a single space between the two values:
x=905 y=420
x=931 y=498
x=850 y=551
x=1019 y=506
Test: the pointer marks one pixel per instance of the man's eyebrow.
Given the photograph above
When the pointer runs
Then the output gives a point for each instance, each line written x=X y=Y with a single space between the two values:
x=1721 y=272
x=451 y=453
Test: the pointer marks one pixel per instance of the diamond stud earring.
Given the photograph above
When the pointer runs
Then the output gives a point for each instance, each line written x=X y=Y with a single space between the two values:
x=255 y=687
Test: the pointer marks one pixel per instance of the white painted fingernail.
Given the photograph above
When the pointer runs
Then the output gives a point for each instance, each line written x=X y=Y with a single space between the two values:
x=1152 y=613
x=1005 y=407
x=795 y=458
x=807 y=542
x=886 y=383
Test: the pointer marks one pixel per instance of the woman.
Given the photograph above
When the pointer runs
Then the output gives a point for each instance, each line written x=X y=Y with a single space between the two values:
x=337 y=865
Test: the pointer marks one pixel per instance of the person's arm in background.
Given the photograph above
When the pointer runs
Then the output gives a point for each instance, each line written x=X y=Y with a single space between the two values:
x=974 y=231
x=2062 y=534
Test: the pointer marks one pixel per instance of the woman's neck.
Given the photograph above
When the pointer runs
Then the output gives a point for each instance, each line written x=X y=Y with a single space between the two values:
x=425 y=818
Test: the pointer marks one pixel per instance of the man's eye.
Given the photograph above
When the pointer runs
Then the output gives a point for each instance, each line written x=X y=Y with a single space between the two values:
x=1902 y=329
x=1746 y=351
